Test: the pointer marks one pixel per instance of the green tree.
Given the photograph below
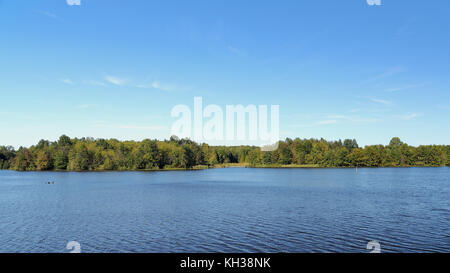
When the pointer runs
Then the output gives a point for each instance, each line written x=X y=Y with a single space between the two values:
x=285 y=154
x=253 y=157
x=102 y=154
x=395 y=142
x=44 y=161
x=7 y=153
x=79 y=158
x=61 y=160
x=350 y=144
x=64 y=141
x=188 y=159
x=147 y=155
x=24 y=160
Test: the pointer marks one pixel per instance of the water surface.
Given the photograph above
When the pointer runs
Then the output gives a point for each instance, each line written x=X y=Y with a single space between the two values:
x=227 y=210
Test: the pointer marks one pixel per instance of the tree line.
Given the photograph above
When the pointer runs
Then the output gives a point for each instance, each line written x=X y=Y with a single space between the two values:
x=88 y=154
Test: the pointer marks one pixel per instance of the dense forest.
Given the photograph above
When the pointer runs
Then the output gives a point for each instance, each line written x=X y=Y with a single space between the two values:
x=88 y=154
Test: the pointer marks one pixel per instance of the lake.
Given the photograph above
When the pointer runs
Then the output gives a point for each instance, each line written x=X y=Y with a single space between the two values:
x=227 y=210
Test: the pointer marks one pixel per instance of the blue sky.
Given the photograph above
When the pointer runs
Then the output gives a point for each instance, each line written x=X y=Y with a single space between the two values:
x=115 y=69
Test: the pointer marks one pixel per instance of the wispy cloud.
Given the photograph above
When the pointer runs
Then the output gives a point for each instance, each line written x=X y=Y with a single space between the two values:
x=67 y=81
x=85 y=106
x=49 y=14
x=388 y=73
x=115 y=80
x=152 y=85
x=320 y=119
x=96 y=83
x=410 y=116
x=162 y=86
x=158 y=85
x=132 y=126
x=353 y=118
x=325 y=122
x=386 y=102
x=405 y=87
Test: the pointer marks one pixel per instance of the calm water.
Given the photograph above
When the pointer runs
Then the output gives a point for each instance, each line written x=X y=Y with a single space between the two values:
x=227 y=210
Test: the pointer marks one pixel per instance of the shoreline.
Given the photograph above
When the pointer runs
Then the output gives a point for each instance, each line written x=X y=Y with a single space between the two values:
x=225 y=166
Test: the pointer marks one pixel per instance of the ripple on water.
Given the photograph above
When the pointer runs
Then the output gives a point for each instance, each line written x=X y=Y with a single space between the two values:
x=228 y=210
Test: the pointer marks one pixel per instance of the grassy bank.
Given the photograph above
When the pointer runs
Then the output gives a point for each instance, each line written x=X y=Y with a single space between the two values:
x=290 y=166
